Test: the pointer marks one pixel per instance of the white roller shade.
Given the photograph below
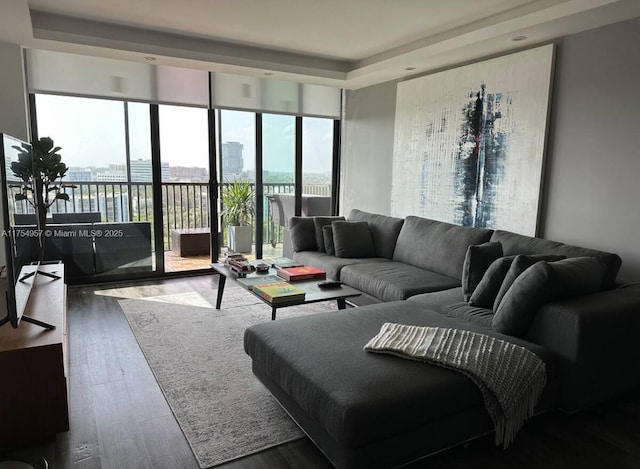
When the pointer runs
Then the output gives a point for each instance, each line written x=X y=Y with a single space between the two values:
x=230 y=91
x=81 y=75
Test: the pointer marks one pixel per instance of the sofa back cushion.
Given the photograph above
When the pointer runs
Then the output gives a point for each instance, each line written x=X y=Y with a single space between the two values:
x=437 y=246
x=327 y=234
x=513 y=243
x=352 y=239
x=545 y=281
x=478 y=259
x=384 y=231
x=319 y=223
x=521 y=302
x=303 y=234
x=519 y=264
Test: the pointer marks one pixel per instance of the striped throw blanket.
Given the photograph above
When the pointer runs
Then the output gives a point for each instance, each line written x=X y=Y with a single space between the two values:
x=510 y=377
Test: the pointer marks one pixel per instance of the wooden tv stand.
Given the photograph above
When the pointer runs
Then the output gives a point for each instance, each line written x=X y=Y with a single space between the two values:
x=34 y=365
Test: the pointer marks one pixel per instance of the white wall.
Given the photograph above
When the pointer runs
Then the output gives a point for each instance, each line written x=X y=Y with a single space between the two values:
x=367 y=146
x=591 y=194
x=593 y=174
x=13 y=96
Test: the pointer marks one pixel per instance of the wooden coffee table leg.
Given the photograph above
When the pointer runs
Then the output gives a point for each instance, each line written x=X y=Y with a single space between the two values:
x=342 y=303
x=221 y=281
x=273 y=313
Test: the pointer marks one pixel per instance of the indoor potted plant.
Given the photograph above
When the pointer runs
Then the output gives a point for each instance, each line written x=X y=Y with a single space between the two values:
x=39 y=167
x=238 y=199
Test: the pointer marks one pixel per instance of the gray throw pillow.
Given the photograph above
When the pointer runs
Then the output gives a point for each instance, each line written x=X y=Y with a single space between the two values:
x=485 y=293
x=519 y=265
x=478 y=259
x=303 y=234
x=319 y=223
x=522 y=300
x=352 y=239
x=576 y=276
x=327 y=232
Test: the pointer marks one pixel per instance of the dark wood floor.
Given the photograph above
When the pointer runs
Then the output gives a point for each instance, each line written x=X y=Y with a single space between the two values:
x=119 y=418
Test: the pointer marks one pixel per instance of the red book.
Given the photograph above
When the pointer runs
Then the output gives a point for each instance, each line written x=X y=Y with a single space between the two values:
x=294 y=274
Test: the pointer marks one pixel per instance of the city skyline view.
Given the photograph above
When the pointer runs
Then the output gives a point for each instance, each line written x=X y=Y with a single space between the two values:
x=92 y=135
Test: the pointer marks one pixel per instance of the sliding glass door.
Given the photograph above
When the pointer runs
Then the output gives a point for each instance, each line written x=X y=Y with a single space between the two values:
x=108 y=217
x=184 y=170
x=146 y=170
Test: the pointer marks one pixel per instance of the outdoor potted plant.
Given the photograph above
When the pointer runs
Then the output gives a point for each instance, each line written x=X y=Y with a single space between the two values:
x=238 y=199
x=39 y=167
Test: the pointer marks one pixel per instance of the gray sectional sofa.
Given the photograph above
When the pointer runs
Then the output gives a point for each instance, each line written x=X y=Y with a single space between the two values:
x=369 y=410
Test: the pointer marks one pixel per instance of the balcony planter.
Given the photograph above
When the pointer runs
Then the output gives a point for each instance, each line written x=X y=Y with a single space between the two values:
x=238 y=199
x=240 y=238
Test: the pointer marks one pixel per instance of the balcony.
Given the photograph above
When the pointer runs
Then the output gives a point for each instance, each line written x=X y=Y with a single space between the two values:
x=185 y=205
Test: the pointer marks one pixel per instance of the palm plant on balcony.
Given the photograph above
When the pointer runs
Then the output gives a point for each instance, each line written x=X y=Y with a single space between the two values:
x=39 y=167
x=238 y=199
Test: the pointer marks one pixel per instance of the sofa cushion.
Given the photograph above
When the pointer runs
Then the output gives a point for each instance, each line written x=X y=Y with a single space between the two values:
x=318 y=224
x=476 y=262
x=513 y=243
x=438 y=301
x=352 y=239
x=522 y=300
x=327 y=234
x=487 y=290
x=575 y=276
x=485 y=293
x=384 y=230
x=389 y=281
x=462 y=310
x=330 y=264
x=436 y=246
x=369 y=397
x=518 y=266
x=303 y=234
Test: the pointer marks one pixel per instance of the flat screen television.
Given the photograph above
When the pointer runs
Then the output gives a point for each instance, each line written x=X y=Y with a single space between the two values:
x=15 y=304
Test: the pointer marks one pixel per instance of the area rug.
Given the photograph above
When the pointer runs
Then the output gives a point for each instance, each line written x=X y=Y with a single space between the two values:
x=196 y=354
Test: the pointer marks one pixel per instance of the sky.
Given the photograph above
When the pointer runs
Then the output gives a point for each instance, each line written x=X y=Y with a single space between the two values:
x=91 y=132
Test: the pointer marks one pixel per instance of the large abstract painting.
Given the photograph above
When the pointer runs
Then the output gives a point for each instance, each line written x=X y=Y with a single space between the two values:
x=469 y=142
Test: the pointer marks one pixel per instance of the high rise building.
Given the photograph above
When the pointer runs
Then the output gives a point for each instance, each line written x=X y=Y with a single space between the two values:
x=232 y=161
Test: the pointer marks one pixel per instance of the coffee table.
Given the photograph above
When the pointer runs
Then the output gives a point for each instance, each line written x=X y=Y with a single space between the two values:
x=314 y=294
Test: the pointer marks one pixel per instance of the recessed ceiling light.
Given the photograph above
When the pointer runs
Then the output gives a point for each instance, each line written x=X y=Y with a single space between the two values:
x=518 y=38
x=150 y=58
x=409 y=69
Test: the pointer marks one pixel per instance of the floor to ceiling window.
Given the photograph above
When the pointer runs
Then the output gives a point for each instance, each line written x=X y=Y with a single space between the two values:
x=278 y=178
x=162 y=169
x=184 y=153
x=317 y=165
x=237 y=150
x=97 y=137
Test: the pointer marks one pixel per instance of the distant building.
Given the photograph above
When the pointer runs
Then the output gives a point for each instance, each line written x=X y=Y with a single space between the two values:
x=232 y=161
x=111 y=176
x=112 y=209
x=141 y=171
x=79 y=175
x=183 y=173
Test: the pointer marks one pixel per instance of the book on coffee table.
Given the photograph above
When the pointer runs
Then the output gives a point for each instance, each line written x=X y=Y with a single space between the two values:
x=279 y=292
x=295 y=274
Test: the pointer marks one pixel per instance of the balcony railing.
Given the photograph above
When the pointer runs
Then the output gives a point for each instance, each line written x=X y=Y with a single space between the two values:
x=184 y=204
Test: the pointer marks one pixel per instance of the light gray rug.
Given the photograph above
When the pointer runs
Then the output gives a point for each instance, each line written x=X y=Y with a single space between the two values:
x=196 y=354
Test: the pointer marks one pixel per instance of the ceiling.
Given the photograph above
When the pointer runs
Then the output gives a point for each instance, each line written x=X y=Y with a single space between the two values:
x=344 y=43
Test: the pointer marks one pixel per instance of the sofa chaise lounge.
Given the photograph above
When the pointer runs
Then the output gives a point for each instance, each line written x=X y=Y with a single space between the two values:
x=370 y=410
